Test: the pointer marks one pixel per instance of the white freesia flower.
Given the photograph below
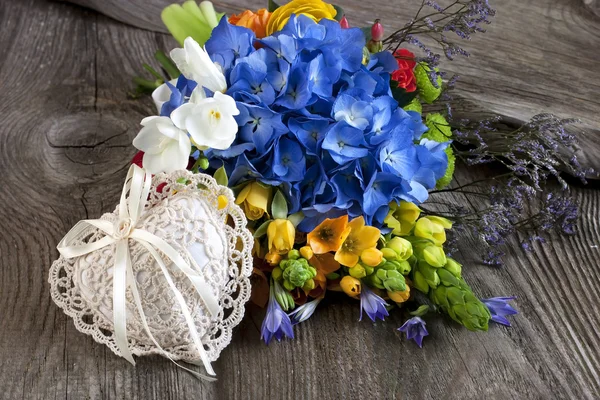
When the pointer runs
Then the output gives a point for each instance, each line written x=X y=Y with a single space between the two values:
x=195 y=64
x=209 y=121
x=162 y=94
x=166 y=147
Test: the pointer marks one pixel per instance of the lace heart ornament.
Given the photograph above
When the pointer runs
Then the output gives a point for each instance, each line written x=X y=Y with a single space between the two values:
x=166 y=273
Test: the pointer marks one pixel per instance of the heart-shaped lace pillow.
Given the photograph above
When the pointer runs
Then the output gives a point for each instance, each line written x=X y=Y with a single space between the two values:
x=199 y=219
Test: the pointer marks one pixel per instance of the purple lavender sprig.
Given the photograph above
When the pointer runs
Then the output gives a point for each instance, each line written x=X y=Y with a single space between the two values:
x=433 y=21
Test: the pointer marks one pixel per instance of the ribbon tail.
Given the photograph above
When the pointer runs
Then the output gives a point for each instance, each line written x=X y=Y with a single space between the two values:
x=138 y=303
x=184 y=308
x=122 y=261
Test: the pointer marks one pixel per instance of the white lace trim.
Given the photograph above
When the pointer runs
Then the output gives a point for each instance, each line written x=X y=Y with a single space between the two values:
x=186 y=215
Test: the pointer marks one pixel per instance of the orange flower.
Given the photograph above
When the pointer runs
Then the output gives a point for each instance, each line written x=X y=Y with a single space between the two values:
x=329 y=235
x=256 y=22
x=361 y=237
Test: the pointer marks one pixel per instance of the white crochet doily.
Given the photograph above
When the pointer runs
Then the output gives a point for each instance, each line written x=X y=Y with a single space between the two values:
x=184 y=212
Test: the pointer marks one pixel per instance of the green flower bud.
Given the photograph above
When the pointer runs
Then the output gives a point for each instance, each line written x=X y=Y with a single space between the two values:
x=297 y=273
x=427 y=91
x=389 y=254
x=276 y=273
x=434 y=256
x=283 y=264
x=368 y=270
x=402 y=247
x=288 y=285
x=358 y=271
x=449 y=174
x=309 y=285
x=430 y=274
x=404 y=267
x=420 y=283
x=391 y=280
x=293 y=254
x=453 y=267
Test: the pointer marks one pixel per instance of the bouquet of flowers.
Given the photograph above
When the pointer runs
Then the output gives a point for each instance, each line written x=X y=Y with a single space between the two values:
x=333 y=138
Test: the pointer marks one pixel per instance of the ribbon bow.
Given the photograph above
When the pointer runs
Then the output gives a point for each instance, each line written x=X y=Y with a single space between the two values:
x=131 y=207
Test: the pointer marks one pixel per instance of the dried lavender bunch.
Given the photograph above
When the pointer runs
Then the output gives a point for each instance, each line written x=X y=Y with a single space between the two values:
x=434 y=22
x=541 y=148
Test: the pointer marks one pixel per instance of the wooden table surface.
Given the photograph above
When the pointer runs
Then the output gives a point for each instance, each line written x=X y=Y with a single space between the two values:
x=66 y=125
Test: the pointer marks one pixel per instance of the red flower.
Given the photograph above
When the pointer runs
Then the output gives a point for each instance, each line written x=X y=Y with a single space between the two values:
x=137 y=159
x=404 y=75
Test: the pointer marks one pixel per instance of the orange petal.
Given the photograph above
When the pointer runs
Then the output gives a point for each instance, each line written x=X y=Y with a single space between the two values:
x=324 y=263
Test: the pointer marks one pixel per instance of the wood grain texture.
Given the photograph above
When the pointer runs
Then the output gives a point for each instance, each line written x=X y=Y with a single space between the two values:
x=65 y=143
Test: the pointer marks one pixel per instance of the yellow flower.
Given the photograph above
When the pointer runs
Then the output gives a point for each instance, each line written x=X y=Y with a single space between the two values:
x=314 y=9
x=371 y=257
x=361 y=237
x=351 y=286
x=281 y=234
x=306 y=252
x=400 y=296
x=402 y=217
x=273 y=258
x=329 y=235
x=255 y=199
x=256 y=22
x=432 y=228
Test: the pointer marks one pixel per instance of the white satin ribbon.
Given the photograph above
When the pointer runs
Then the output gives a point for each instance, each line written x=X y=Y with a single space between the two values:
x=133 y=200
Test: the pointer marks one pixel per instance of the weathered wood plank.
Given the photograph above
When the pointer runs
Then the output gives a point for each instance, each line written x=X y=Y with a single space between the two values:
x=65 y=140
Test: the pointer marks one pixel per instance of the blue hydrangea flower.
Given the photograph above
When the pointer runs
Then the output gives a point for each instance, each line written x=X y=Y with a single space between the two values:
x=372 y=304
x=345 y=143
x=228 y=42
x=276 y=323
x=319 y=125
x=500 y=309
x=415 y=329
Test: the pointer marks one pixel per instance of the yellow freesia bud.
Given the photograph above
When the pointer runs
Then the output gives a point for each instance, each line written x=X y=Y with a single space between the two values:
x=273 y=258
x=402 y=217
x=371 y=257
x=314 y=9
x=281 y=233
x=400 y=296
x=351 y=286
x=254 y=198
x=428 y=229
x=306 y=252
x=434 y=256
x=402 y=247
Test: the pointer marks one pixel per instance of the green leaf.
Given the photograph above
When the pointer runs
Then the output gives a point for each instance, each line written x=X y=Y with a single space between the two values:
x=209 y=13
x=279 y=208
x=422 y=310
x=221 y=176
x=272 y=6
x=183 y=23
x=340 y=12
x=168 y=64
x=262 y=229
x=191 y=7
x=153 y=71
x=296 y=218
